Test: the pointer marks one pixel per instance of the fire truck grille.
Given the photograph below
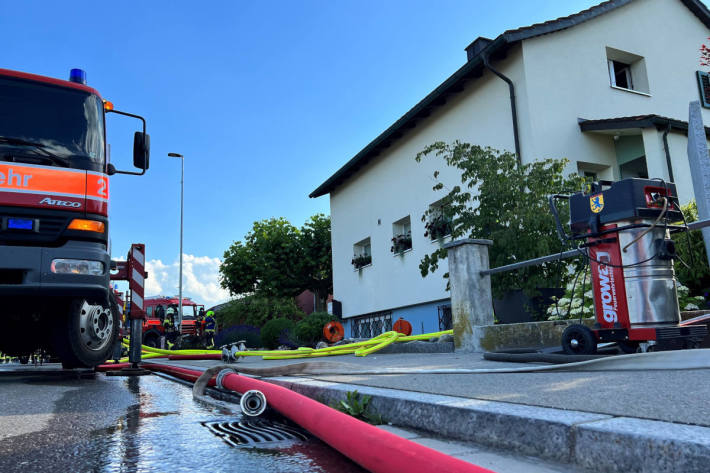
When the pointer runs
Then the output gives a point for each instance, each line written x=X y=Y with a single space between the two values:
x=256 y=431
x=47 y=229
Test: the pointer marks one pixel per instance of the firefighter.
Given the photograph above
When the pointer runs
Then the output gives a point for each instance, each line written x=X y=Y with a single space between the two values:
x=209 y=329
x=169 y=328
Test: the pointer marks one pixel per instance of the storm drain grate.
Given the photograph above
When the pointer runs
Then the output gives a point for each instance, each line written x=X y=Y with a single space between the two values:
x=250 y=432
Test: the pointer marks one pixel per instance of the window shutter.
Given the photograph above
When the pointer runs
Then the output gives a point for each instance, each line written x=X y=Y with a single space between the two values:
x=704 y=88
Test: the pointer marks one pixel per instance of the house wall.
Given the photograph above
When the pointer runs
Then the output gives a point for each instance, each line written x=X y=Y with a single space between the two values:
x=567 y=77
x=394 y=185
x=559 y=78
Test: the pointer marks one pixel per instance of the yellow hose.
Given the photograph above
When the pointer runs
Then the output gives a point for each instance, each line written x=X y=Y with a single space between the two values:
x=392 y=337
x=363 y=348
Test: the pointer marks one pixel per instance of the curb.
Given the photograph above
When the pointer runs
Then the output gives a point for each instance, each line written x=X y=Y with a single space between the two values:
x=597 y=442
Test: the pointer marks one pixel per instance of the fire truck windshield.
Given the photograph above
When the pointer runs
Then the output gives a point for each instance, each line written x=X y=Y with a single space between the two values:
x=188 y=311
x=50 y=125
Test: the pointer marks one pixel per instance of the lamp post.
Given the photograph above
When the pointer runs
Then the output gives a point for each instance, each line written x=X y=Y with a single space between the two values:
x=182 y=192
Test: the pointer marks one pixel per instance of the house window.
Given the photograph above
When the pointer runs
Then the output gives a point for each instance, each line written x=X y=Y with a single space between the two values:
x=362 y=253
x=620 y=75
x=439 y=224
x=627 y=71
x=401 y=235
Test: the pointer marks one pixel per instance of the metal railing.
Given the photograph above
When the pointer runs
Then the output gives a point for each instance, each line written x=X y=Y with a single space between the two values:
x=697 y=225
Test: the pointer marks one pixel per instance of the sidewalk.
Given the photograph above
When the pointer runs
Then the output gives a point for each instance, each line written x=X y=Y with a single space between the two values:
x=603 y=421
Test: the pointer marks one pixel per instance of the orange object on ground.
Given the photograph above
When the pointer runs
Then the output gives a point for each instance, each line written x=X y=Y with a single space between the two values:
x=333 y=331
x=403 y=327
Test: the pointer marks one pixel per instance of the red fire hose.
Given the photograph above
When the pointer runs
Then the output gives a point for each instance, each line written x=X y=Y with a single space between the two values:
x=372 y=448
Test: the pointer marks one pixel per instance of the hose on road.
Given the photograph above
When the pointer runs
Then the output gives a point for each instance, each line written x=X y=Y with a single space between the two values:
x=372 y=448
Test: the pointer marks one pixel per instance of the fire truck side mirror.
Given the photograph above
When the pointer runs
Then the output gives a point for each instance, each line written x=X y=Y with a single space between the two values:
x=141 y=150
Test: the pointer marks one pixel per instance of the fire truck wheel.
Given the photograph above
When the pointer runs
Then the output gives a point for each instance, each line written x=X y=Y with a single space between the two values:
x=151 y=340
x=85 y=335
x=578 y=339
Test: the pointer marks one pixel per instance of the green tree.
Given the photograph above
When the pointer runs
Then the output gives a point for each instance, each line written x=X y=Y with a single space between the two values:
x=256 y=310
x=506 y=202
x=277 y=259
x=317 y=266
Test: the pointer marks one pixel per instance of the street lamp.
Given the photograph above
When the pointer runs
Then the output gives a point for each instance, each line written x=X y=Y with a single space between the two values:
x=182 y=191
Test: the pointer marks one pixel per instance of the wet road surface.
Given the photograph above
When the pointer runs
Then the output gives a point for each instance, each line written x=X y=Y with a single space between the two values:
x=138 y=424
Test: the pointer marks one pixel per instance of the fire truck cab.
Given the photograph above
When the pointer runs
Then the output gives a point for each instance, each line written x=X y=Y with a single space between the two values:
x=153 y=326
x=54 y=193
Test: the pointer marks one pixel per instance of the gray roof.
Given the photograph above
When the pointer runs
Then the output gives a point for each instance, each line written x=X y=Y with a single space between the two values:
x=636 y=121
x=472 y=70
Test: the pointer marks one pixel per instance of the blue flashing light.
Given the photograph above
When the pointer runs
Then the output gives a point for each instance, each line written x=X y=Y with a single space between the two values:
x=78 y=76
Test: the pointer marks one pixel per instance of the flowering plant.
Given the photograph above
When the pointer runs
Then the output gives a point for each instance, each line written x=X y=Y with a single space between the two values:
x=361 y=260
x=438 y=227
x=574 y=304
x=704 y=55
x=580 y=303
x=401 y=243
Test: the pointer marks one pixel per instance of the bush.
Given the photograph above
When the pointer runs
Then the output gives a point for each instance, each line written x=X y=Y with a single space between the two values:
x=573 y=305
x=505 y=201
x=580 y=303
x=232 y=334
x=309 y=331
x=274 y=331
x=256 y=311
x=691 y=252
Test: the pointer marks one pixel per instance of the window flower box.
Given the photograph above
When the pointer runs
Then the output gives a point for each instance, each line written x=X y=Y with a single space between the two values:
x=401 y=243
x=361 y=260
x=438 y=227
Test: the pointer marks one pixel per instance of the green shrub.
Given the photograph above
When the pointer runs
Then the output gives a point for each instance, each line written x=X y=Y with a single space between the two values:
x=691 y=252
x=580 y=303
x=251 y=336
x=273 y=330
x=309 y=331
x=256 y=311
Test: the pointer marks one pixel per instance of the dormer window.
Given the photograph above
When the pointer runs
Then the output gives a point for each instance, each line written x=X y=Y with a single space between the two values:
x=627 y=71
x=620 y=75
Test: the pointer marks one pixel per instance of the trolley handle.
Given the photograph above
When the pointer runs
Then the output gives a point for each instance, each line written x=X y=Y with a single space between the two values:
x=553 y=208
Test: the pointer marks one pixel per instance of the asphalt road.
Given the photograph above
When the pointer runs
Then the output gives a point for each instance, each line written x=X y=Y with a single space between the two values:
x=110 y=424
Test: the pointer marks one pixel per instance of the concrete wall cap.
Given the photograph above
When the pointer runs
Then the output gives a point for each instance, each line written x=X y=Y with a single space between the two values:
x=468 y=241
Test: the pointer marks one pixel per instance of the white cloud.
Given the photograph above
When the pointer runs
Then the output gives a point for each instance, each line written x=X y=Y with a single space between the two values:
x=200 y=279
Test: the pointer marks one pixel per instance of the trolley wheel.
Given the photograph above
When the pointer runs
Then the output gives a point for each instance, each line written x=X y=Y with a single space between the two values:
x=629 y=347
x=578 y=339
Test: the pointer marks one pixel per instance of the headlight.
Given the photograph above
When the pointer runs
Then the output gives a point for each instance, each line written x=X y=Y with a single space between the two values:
x=77 y=266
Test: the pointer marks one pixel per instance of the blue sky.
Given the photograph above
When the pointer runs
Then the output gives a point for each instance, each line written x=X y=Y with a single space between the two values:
x=265 y=100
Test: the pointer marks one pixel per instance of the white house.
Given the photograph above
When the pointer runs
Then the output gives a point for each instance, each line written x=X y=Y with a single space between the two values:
x=608 y=88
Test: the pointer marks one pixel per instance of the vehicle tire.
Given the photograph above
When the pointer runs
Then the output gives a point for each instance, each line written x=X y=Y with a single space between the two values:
x=85 y=333
x=629 y=347
x=151 y=340
x=578 y=339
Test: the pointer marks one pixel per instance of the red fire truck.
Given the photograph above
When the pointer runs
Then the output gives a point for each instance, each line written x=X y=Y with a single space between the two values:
x=153 y=327
x=55 y=291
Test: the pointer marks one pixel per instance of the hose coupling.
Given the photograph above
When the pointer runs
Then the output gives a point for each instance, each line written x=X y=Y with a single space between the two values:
x=221 y=375
x=253 y=403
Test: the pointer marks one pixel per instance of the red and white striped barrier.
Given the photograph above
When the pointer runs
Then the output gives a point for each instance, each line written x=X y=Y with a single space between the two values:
x=136 y=280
